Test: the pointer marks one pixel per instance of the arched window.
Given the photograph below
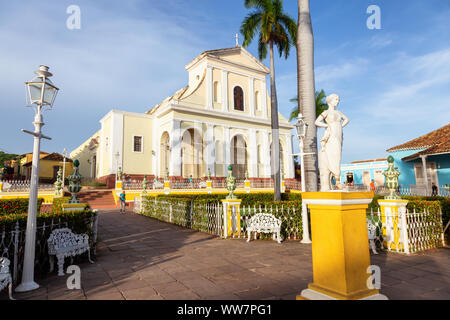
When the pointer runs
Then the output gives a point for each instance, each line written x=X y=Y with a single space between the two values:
x=257 y=104
x=217 y=91
x=238 y=98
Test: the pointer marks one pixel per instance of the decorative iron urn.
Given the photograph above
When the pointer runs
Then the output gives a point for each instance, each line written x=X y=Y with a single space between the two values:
x=75 y=183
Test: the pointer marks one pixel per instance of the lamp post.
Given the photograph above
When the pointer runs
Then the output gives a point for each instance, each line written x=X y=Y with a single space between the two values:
x=300 y=127
x=41 y=92
x=64 y=168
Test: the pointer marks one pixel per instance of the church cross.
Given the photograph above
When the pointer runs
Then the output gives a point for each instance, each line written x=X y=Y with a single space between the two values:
x=237 y=40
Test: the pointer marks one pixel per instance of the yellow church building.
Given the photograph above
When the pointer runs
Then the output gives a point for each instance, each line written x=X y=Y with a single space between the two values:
x=221 y=117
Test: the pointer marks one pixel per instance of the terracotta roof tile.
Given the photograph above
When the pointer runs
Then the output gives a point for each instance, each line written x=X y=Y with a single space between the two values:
x=436 y=141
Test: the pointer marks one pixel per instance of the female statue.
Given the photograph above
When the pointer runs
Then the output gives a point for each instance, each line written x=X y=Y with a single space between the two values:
x=330 y=153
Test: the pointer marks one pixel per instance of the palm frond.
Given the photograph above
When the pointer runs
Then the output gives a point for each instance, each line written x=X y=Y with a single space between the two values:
x=250 y=26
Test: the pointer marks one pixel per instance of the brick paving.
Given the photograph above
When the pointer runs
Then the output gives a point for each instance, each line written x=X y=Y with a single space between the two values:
x=143 y=258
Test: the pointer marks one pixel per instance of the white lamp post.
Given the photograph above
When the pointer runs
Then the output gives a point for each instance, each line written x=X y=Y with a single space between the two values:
x=41 y=92
x=64 y=168
x=300 y=127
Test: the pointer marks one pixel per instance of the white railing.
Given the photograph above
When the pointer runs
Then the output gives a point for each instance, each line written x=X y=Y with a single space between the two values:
x=24 y=186
x=293 y=185
x=407 y=232
x=188 y=184
x=414 y=190
x=137 y=185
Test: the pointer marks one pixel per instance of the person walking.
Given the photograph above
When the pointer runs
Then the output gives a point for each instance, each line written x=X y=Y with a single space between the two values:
x=434 y=189
x=372 y=186
x=122 y=202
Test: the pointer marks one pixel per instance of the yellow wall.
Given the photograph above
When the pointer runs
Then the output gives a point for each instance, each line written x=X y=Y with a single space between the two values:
x=137 y=162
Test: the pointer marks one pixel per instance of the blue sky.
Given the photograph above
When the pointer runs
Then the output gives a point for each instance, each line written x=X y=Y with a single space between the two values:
x=130 y=55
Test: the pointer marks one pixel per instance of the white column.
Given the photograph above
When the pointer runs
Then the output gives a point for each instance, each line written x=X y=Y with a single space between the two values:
x=251 y=95
x=92 y=166
x=102 y=148
x=266 y=153
x=264 y=99
x=290 y=174
x=226 y=146
x=209 y=88
x=424 y=165
x=155 y=149
x=253 y=172
x=199 y=159
x=224 y=90
x=210 y=146
x=116 y=142
x=175 y=154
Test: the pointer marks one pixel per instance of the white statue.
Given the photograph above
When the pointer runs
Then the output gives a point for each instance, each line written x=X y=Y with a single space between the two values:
x=330 y=153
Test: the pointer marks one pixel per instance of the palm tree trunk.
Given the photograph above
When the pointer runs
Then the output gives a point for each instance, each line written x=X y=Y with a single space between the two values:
x=275 y=156
x=306 y=89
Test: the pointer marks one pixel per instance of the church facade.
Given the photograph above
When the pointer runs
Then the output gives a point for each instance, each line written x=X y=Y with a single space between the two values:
x=221 y=117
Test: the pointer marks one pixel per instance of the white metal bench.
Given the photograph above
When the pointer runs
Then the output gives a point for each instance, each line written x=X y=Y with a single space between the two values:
x=265 y=223
x=64 y=243
x=372 y=232
x=5 y=276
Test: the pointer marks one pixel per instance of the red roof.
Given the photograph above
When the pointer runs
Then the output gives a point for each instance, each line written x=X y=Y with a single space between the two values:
x=437 y=141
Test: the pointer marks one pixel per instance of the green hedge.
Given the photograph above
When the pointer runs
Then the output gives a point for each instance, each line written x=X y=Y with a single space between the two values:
x=16 y=206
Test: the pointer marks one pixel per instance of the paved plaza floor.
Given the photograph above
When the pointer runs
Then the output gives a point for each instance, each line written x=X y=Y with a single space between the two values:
x=143 y=258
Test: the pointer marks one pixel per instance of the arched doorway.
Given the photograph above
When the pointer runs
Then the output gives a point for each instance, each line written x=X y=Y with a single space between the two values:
x=165 y=154
x=239 y=156
x=192 y=154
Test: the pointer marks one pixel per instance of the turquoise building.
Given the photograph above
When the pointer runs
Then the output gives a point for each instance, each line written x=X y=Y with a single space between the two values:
x=424 y=160
x=363 y=172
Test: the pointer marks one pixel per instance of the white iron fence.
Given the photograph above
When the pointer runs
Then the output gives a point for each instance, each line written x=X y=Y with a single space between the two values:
x=407 y=232
x=24 y=186
x=414 y=190
x=210 y=217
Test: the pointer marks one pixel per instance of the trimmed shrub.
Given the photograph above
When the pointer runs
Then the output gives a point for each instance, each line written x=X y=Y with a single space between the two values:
x=17 y=206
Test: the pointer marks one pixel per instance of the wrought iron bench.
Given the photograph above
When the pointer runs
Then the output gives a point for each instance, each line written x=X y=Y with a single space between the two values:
x=64 y=243
x=372 y=232
x=265 y=223
x=5 y=276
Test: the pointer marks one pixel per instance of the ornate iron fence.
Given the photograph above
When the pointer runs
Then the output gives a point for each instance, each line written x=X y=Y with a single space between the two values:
x=406 y=231
x=12 y=245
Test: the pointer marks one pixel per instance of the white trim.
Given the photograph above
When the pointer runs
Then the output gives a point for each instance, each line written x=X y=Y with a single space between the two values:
x=251 y=95
x=238 y=116
x=142 y=143
x=315 y=295
x=243 y=99
x=393 y=204
x=364 y=167
x=209 y=88
x=134 y=114
x=337 y=202
x=245 y=74
x=102 y=146
x=225 y=103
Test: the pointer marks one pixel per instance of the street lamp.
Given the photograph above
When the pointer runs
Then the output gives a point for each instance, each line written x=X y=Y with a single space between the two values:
x=301 y=127
x=64 y=168
x=41 y=92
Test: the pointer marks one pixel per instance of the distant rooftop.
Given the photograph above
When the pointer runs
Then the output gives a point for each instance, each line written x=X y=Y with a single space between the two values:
x=373 y=160
x=437 y=141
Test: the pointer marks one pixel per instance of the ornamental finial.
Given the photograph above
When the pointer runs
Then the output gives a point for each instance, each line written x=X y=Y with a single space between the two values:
x=391 y=174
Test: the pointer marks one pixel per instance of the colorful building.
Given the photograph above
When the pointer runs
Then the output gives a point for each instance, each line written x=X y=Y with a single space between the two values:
x=221 y=117
x=363 y=172
x=430 y=151
x=49 y=164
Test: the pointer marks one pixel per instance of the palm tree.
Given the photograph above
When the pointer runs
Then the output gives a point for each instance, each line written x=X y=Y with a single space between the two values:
x=275 y=28
x=306 y=104
x=321 y=105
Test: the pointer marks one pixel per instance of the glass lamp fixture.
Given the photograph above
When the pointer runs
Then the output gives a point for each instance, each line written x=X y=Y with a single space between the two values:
x=41 y=88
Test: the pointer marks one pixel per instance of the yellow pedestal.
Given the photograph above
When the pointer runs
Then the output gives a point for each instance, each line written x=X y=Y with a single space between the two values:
x=166 y=187
x=394 y=235
x=231 y=207
x=340 y=246
x=247 y=186
x=119 y=185
x=209 y=186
